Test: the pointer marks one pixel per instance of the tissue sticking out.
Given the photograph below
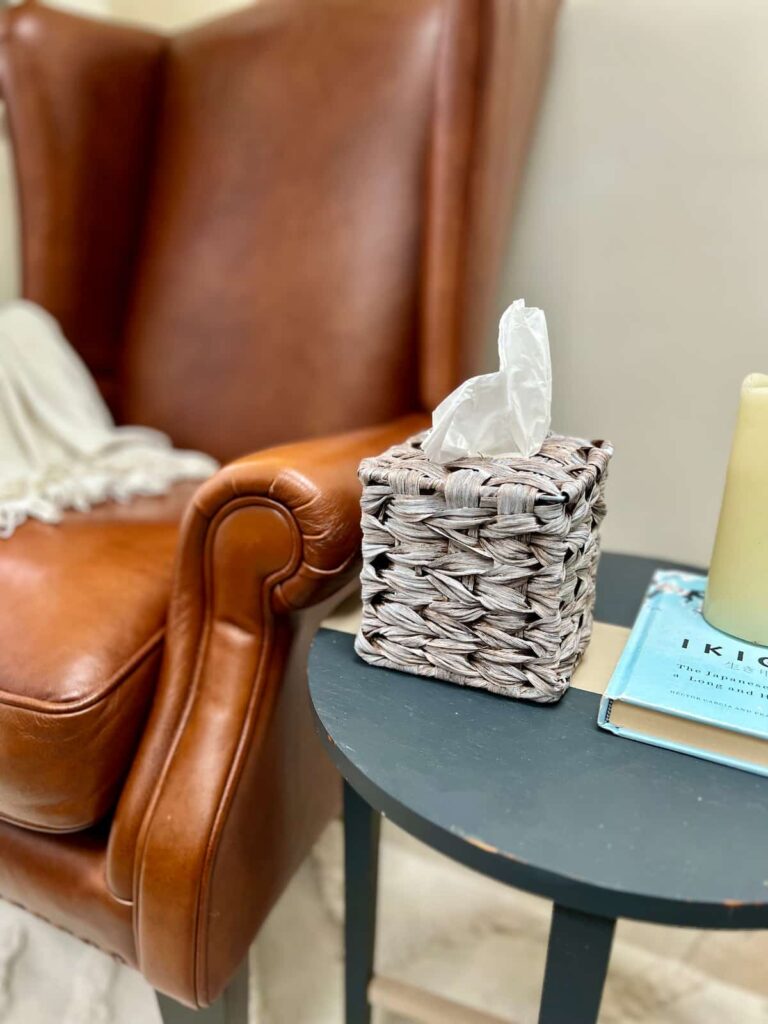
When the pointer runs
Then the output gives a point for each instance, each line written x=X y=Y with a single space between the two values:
x=502 y=413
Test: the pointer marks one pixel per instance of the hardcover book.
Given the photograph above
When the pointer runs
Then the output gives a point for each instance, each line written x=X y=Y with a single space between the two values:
x=681 y=684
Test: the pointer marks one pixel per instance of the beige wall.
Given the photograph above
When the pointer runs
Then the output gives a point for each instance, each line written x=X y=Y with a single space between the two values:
x=9 y=271
x=161 y=14
x=642 y=233
x=171 y=14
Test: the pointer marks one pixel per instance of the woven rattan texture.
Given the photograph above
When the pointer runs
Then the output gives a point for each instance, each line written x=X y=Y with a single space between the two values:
x=482 y=572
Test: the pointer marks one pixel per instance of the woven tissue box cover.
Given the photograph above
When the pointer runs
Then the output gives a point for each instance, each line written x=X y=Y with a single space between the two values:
x=482 y=571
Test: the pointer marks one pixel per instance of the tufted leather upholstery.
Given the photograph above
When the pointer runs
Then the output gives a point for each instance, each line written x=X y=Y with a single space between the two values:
x=283 y=224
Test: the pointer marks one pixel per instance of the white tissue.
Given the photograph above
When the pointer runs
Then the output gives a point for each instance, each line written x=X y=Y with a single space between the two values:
x=502 y=413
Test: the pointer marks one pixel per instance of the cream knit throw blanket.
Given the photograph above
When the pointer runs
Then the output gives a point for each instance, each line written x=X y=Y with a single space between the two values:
x=59 y=447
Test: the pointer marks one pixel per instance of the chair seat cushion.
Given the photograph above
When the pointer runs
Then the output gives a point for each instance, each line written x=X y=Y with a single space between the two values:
x=82 y=611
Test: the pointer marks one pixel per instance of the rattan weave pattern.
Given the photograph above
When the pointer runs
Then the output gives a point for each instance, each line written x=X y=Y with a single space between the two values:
x=482 y=572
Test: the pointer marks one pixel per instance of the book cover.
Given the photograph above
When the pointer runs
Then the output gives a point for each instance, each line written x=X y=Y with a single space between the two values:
x=682 y=684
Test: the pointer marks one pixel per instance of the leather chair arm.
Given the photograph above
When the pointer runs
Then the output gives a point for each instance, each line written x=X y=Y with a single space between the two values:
x=315 y=482
x=230 y=788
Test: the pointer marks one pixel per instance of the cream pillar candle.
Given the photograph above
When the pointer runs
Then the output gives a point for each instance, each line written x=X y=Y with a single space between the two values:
x=737 y=591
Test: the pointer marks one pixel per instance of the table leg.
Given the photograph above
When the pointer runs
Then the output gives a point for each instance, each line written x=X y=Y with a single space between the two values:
x=577 y=962
x=361 y=866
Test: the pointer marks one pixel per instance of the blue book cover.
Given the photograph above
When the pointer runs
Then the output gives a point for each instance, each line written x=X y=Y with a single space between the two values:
x=682 y=684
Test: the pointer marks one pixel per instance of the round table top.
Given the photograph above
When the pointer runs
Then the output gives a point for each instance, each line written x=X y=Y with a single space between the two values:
x=539 y=797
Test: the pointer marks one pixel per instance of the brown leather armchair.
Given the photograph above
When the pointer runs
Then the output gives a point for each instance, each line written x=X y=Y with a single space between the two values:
x=284 y=224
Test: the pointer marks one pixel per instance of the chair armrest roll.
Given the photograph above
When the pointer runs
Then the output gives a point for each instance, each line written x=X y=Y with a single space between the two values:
x=229 y=788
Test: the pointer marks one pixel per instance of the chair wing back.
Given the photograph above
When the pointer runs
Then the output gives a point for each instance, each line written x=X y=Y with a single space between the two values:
x=81 y=99
x=290 y=220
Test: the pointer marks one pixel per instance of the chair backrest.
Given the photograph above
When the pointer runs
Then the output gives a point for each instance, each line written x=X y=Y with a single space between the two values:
x=284 y=223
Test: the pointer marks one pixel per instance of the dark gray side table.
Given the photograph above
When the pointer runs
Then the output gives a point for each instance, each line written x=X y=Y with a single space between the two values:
x=539 y=798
